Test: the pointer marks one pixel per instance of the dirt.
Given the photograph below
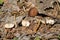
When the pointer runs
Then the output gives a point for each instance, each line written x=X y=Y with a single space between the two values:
x=43 y=17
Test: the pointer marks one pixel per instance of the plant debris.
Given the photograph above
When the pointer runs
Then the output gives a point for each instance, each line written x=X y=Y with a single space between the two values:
x=29 y=19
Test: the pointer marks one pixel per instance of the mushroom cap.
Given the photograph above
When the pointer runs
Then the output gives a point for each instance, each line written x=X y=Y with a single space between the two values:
x=25 y=23
x=9 y=25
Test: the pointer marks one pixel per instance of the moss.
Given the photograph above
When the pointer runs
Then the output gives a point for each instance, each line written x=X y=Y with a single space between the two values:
x=37 y=38
x=1 y=1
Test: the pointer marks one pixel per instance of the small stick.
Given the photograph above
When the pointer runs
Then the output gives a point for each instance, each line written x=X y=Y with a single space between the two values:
x=36 y=27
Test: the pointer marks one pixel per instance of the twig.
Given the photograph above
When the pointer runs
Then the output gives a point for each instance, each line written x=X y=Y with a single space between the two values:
x=36 y=27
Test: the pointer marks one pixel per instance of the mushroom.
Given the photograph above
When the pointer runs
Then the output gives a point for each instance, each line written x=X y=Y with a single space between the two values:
x=25 y=23
x=33 y=11
x=49 y=20
x=9 y=25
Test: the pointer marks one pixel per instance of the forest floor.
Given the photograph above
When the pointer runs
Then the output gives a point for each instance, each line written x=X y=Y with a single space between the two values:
x=30 y=20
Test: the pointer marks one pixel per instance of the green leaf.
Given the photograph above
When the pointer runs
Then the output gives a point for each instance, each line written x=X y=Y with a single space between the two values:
x=15 y=38
x=1 y=1
x=37 y=38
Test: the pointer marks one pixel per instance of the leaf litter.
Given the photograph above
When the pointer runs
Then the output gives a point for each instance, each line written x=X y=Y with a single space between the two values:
x=29 y=20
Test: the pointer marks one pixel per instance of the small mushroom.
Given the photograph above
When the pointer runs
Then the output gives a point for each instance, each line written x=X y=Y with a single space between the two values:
x=47 y=20
x=33 y=11
x=59 y=0
x=25 y=23
x=9 y=25
x=50 y=21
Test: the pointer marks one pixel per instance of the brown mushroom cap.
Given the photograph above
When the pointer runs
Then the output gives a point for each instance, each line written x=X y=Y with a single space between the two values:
x=33 y=12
